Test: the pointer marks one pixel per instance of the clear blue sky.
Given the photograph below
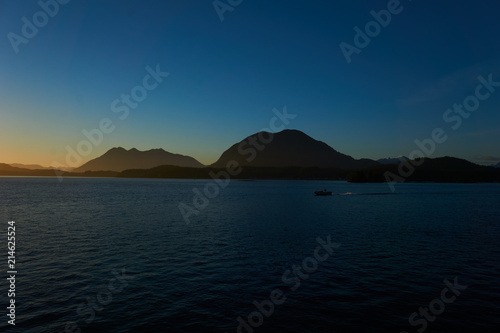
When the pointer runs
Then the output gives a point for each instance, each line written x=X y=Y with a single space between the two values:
x=227 y=76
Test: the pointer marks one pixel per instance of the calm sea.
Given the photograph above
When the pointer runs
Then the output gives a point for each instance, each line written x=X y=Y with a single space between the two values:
x=116 y=255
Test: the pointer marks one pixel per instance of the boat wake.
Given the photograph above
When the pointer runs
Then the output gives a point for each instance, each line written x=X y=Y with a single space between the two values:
x=394 y=193
x=350 y=193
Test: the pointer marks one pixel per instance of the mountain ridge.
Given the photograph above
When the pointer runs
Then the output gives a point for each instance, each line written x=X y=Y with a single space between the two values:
x=120 y=159
x=445 y=169
x=393 y=160
x=288 y=148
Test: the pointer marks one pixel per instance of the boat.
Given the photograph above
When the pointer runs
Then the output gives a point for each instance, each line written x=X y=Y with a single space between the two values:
x=324 y=192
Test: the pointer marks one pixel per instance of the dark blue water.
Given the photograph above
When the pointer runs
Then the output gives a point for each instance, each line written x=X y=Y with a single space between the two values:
x=115 y=255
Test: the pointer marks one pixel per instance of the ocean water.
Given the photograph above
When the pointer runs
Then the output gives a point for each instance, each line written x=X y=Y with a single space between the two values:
x=116 y=255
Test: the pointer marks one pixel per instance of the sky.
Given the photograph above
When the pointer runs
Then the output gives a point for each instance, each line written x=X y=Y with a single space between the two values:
x=229 y=67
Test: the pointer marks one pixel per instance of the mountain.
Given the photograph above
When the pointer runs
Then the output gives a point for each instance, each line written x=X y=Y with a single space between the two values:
x=9 y=168
x=38 y=167
x=496 y=165
x=29 y=166
x=119 y=159
x=288 y=148
x=442 y=169
x=390 y=160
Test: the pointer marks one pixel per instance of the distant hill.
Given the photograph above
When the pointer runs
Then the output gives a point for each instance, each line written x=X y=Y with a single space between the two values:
x=119 y=159
x=439 y=170
x=38 y=167
x=289 y=154
x=9 y=168
x=442 y=169
x=391 y=160
x=288 y=148
x=29 y=166
x=248 y=172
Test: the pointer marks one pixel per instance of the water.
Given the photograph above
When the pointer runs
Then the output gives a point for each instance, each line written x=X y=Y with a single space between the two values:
x=76 y=237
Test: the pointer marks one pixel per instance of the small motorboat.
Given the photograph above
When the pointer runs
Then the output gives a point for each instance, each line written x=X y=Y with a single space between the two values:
x=324 y=192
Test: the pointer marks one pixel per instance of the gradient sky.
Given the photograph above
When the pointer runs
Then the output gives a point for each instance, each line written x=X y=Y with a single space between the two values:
x=227 y=76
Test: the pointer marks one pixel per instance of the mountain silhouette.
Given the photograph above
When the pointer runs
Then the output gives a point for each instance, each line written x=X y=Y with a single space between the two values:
x=119 y=159
x=442 y=169
x=288 y=148
x=10 y=168
x=390 y=160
